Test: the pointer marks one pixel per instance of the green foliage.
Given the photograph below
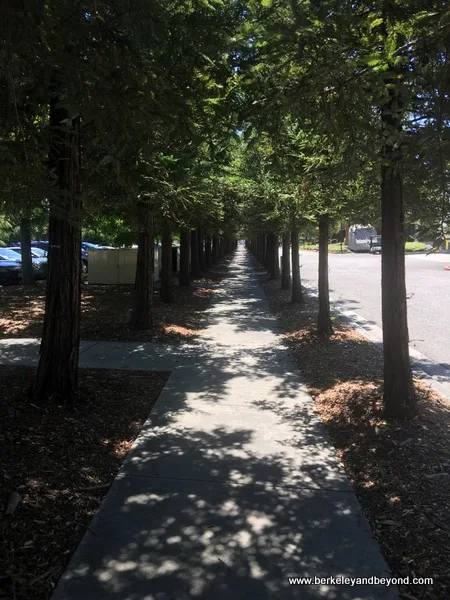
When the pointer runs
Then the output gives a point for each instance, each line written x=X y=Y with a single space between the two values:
x=163 y=87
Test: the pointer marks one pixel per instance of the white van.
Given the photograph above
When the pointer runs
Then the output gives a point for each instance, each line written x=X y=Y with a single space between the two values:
x=358 y=238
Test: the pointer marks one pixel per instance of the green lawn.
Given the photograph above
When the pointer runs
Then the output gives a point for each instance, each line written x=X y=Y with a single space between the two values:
x=336 y=248
x=415 y=247
x=333 y=248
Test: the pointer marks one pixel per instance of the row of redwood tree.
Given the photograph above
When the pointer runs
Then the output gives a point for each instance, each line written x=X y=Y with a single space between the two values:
x=57 y=373
x=266 y=249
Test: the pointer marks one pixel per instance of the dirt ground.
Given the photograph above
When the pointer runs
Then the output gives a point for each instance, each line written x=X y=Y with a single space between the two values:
x=400 y=472
x=58 y=463
x=106 y=312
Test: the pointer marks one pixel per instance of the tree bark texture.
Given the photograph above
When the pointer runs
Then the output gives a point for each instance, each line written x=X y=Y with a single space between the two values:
x=57 y=373
x=297 y=292
x=399 y=396
x=215 y=249
x=324 y=325
x=273 y=262
x=286 y=263
x=201 y=250
x=166 y=263
x=141 y=314
x=185 y=257
x=195 y=258
x=208 y=251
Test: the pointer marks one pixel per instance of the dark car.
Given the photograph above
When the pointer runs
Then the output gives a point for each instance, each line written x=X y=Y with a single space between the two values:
x=10 y=271
x=89 y=245
x=40 y=267
x=44 y=245
x=40 y=262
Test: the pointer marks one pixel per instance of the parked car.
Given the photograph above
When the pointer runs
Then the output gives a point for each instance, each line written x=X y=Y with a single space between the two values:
x=40 y=264
x=10 y=270
x=35 y=252
x=44 y=245
x=89 y=245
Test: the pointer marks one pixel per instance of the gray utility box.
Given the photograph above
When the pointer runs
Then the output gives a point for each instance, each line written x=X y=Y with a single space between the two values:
x=117 y=267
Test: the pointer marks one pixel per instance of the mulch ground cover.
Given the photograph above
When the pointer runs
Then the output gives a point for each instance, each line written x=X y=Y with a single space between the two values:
x=56 y=464
x=106 y=312
x=400 y=471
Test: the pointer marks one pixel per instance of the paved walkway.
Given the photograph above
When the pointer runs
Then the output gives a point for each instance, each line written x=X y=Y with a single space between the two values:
x=145 y=356
x=232 y=485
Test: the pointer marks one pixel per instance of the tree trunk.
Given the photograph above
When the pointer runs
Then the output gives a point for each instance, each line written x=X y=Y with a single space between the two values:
x=166 y=263
x=324 y=319
x=261 y=256
x=57 y=373
x=265 y=253
x=141 y=314
x=25 y=248
x=286 y=263
x=185 y=250
x=201 y=250
x=208 y=256
x=399 y=396
x=297 y=292
x=273 y=262
x=195 y=258
x=215 y=249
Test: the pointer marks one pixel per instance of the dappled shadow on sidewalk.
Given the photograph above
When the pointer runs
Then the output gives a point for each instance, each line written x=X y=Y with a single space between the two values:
x=209 y=505
x=401 y=472
x=232 y=485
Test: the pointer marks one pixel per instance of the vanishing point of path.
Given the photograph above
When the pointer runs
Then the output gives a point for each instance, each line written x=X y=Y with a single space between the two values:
x=232 y=485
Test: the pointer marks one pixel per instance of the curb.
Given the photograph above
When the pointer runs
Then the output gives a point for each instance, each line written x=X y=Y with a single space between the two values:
x=374 y=334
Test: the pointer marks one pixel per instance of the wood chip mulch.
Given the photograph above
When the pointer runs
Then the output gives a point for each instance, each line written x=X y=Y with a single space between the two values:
x=56 y=464
x=400 y=471
x=106 y=312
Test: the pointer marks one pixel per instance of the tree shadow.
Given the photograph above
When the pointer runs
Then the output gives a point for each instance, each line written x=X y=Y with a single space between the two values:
x=232 y=485
x=400 y=471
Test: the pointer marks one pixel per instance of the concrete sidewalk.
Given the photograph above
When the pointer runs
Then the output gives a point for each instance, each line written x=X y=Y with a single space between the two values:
x=145 y=356
x=232 y=485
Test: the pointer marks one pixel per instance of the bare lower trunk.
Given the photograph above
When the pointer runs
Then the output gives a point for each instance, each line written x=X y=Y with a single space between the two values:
x=297 y=293
x=286 y=263
x=265 y=251
x=25 y=247
x=57 y=373
x=185 y=251
x=399 y=396
x=201 y=250
x=273 y=263
x=215 y=249
x=166 y=263
x=261 y=251
x=195 y=258
x=208 y=249
x=141 y=314
x=324 y=318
